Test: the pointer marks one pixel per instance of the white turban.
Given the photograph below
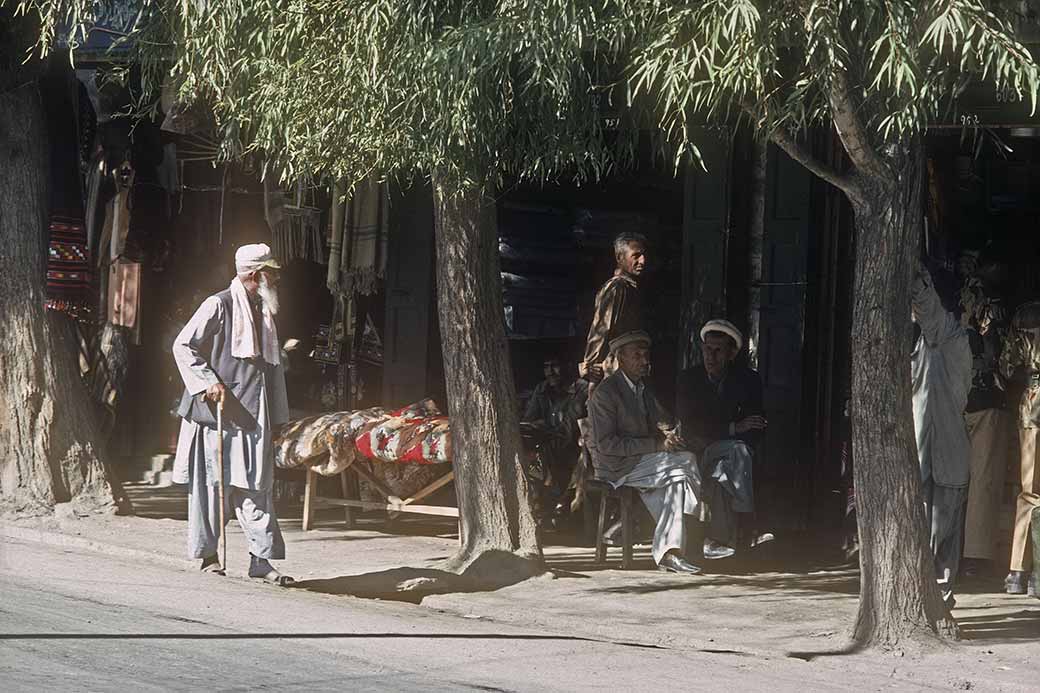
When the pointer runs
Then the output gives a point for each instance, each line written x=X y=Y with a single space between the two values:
x=725 y=327
x=250 y=258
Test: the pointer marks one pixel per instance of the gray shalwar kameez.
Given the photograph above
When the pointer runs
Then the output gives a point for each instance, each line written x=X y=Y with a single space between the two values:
x=668 y=484
x=941 y=375
x=626 y=421
x=248 y=454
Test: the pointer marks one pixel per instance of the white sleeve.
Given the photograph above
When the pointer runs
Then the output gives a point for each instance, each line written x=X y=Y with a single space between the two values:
x=195 y=371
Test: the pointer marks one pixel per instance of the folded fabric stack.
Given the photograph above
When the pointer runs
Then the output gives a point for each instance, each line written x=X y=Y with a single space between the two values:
x=306 y=441
x=418 y=434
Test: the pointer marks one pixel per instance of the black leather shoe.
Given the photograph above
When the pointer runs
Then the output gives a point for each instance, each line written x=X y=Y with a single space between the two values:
x=674 y=563
x=713 y=550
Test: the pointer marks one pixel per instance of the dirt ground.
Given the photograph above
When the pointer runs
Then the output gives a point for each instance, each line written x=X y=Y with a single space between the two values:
x=789 y=603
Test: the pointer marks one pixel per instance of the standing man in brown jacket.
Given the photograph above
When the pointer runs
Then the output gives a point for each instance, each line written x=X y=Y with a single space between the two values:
x=618 y=308
x=1022 y=355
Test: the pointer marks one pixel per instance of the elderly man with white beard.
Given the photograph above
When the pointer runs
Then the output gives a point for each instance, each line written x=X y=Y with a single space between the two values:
x=229 y=352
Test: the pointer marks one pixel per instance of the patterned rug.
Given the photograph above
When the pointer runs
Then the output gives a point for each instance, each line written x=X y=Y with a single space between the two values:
x=68 y=267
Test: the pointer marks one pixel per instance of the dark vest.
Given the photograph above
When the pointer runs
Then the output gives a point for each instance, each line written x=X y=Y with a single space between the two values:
x=242 y=377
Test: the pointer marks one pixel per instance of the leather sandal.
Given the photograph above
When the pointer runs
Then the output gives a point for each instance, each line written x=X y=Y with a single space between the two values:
x=211 y=565
x=261 y=569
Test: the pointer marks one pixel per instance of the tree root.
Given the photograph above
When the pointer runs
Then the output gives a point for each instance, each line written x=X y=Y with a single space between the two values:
x=490 y=569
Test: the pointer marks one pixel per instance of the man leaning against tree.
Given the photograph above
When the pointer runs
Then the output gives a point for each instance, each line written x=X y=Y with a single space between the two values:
x=940 y=379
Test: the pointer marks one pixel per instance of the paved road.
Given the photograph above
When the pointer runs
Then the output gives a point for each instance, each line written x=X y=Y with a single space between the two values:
x=75 y=621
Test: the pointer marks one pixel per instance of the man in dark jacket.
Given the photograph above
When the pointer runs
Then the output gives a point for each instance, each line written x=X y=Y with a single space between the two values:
x=721 y=418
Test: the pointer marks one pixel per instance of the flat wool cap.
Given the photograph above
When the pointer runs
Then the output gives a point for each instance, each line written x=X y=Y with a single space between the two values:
x=253 y=257
x=725 y=327
x=636 y=336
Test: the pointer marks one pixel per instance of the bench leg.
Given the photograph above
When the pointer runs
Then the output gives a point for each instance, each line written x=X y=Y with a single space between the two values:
x=344 y=483
x=626 y=528
x=601 y=546
x=588 y=519
x=308 y=499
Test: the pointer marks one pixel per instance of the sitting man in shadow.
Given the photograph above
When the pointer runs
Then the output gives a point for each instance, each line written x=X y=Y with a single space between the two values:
x=550 y=421
x=634 y=443
x=719 y=406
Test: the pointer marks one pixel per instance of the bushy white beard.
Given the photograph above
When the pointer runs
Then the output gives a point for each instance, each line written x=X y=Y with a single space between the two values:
x=268 y=294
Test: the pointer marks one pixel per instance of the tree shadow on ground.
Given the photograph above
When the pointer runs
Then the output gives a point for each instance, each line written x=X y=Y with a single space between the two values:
x=837 y=582
x=793 y=564
x=491 y=571
x=1001 y=627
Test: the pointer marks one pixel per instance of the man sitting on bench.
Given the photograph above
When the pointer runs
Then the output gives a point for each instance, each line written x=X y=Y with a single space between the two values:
x=719 y=406
x=633 y=443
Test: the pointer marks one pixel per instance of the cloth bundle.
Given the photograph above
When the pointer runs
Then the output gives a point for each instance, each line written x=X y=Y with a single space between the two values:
x=306 y=441
x=401 y=439
x=418 y=433
x=68 y=267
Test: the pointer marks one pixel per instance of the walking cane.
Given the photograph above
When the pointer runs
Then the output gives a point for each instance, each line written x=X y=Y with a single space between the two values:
x=220 y=470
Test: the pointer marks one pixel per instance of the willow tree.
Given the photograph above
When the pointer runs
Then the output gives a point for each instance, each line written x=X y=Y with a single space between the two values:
x=877 y=72
x=49 y=438
x=465 y=93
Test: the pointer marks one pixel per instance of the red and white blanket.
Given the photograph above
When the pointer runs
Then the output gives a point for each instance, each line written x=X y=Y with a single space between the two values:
x=329 y=443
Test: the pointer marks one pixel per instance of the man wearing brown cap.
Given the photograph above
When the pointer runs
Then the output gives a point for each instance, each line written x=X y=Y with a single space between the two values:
x=228 y=355
x=719 y=406
x=633 y=443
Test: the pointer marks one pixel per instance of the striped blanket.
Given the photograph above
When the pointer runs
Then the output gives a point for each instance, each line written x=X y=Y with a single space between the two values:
x=68 y=267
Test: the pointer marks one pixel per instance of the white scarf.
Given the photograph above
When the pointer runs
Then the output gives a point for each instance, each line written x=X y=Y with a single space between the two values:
x=243 y=331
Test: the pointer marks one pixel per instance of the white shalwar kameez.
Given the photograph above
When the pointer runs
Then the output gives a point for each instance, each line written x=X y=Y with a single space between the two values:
x=248 y=455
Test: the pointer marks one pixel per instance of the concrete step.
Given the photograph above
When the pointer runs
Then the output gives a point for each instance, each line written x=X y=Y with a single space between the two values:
x=156 y=470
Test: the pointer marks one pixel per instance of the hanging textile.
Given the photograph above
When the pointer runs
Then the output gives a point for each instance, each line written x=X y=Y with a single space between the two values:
x=68 y=267
x=116 y=227
x=95 y=175
x=124 y=295
x=295 y=223
x=365 y=237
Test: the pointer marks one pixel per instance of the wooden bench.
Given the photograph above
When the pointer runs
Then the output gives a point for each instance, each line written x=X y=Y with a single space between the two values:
x=394 y=505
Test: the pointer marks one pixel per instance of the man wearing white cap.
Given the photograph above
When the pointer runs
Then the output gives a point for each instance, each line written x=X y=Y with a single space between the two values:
x=228 y=352
x=719 y=406
x=633 y=443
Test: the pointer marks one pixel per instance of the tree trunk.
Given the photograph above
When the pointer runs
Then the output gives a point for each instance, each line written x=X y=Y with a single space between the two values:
x=756 y=245
x=899 y=597
x=497 y=526
x=48 y=453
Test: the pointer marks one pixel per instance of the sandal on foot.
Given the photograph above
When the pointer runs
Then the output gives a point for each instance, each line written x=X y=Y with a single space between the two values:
x=261 y=569
x=210 y=564
x=275 y=578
